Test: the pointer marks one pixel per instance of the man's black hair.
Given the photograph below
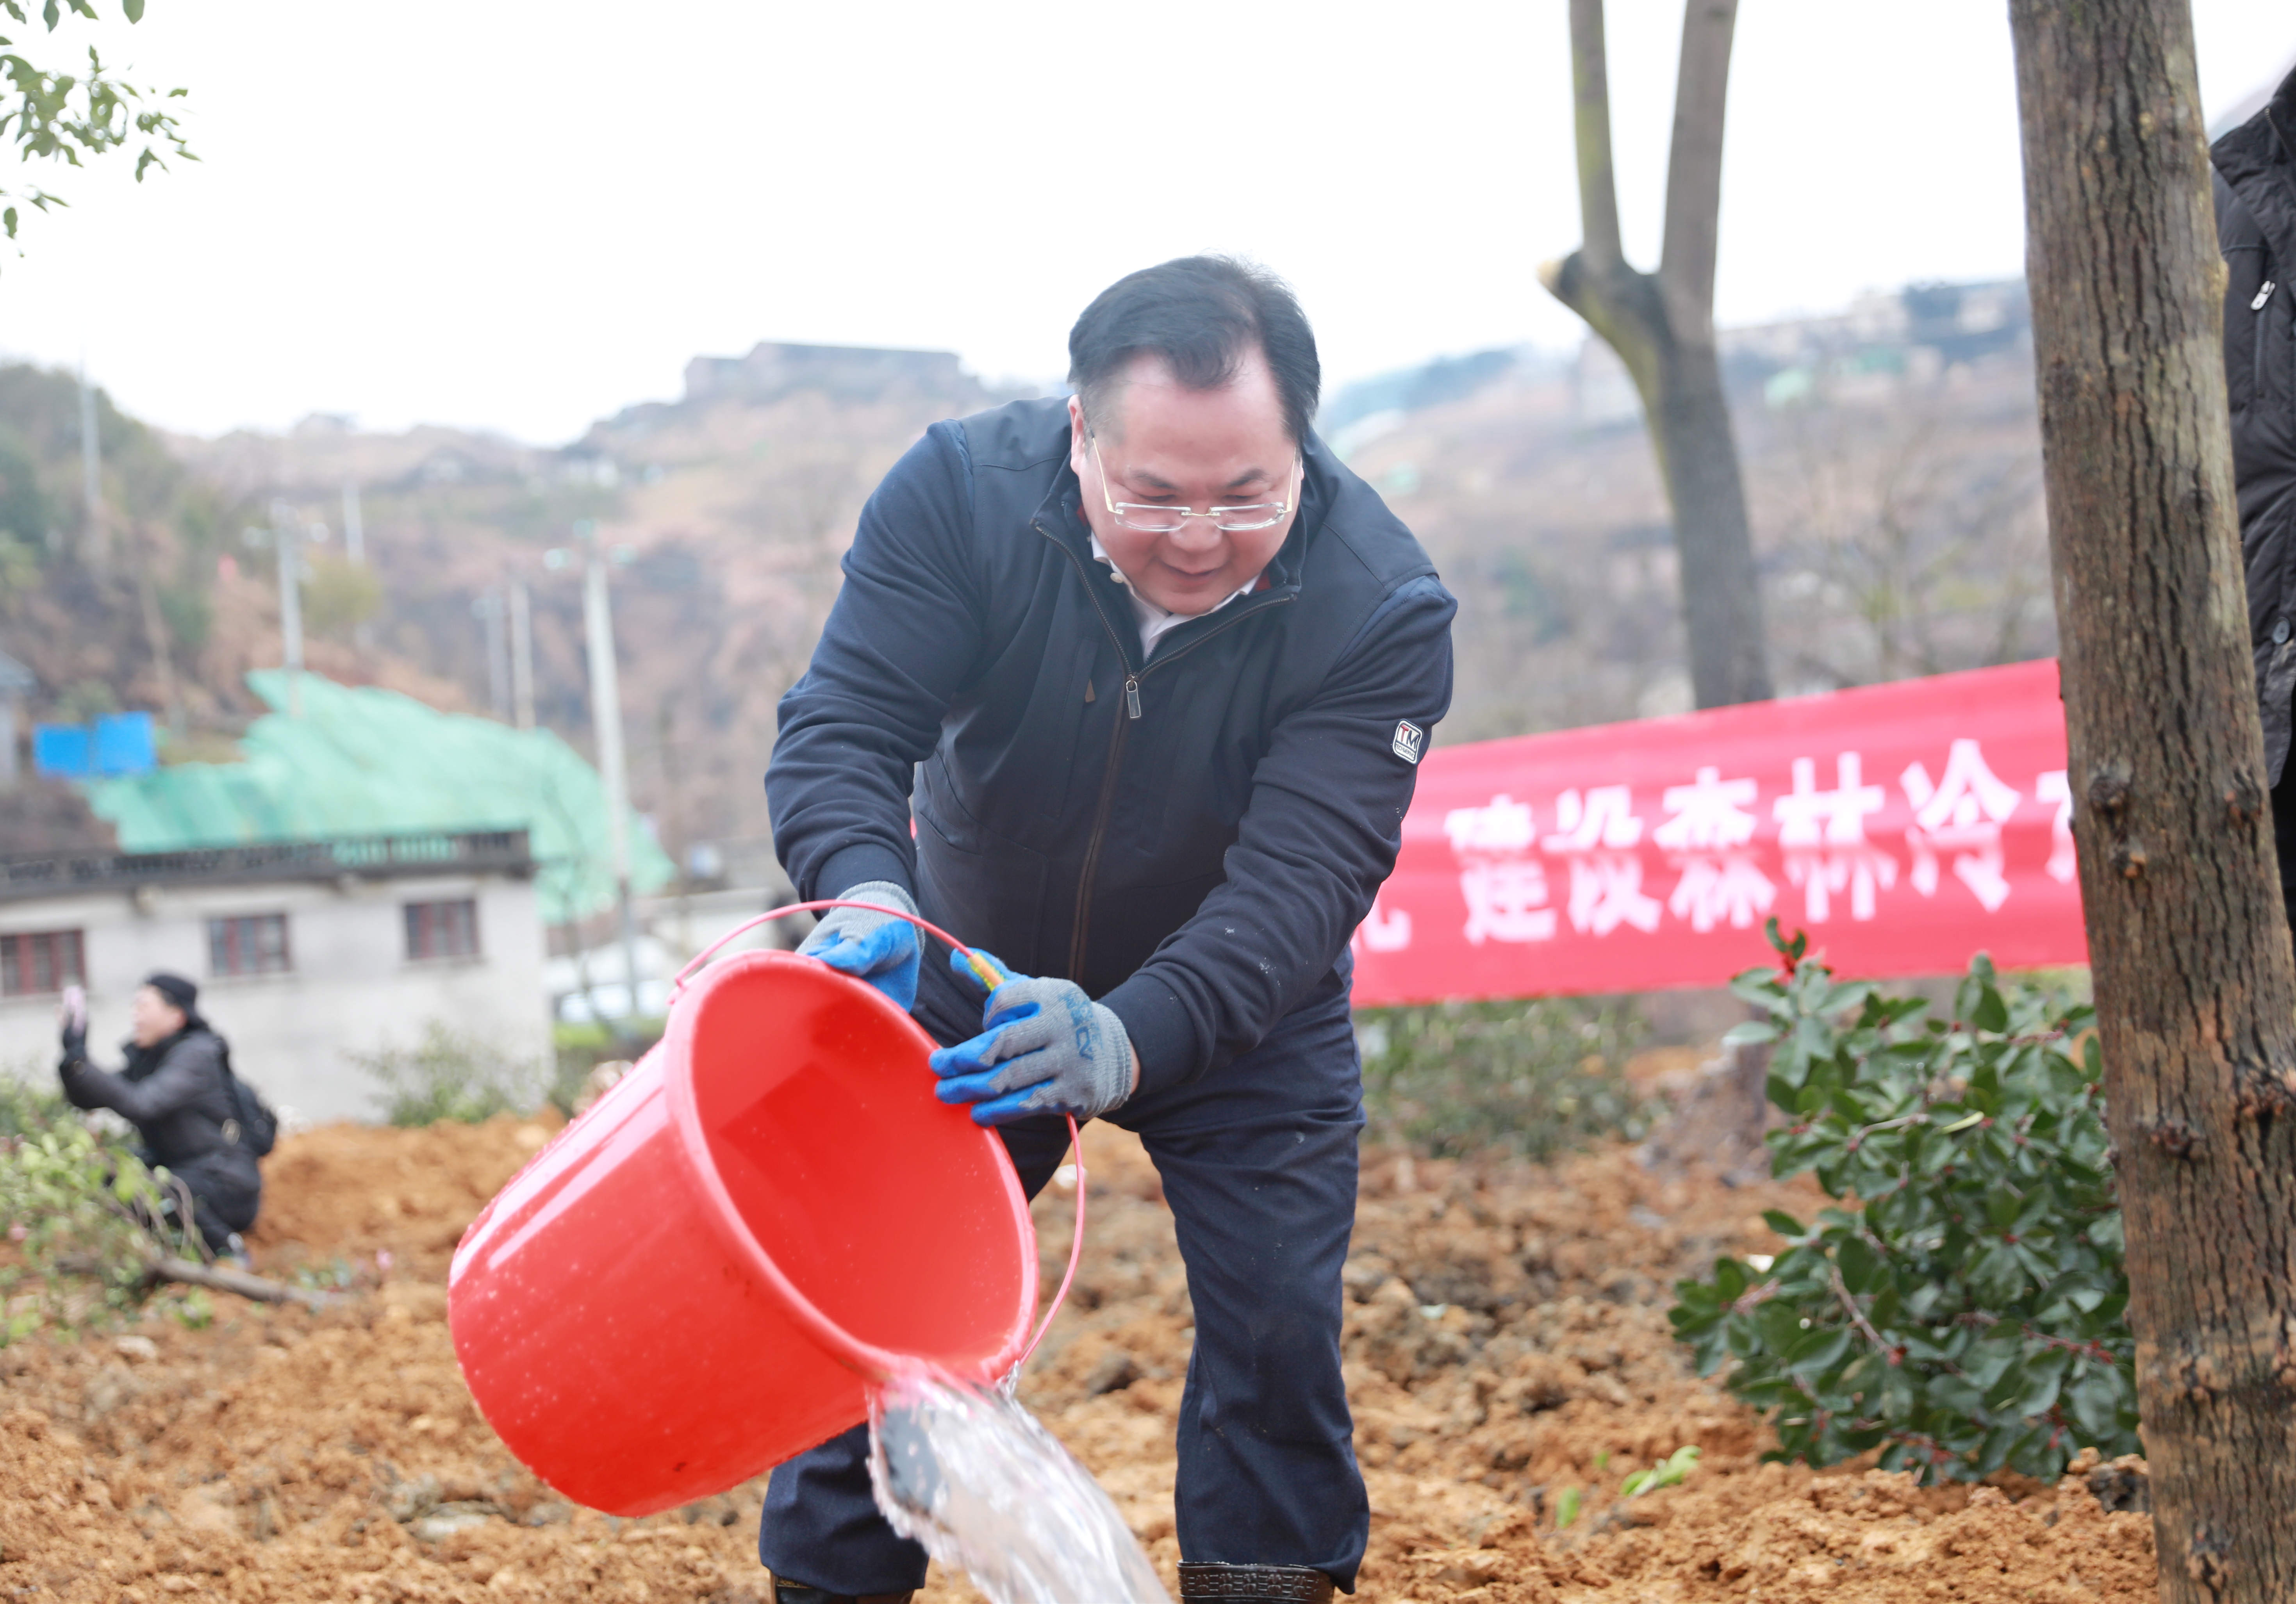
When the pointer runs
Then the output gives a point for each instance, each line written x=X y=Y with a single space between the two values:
x=183 y=994
x=1200 y=314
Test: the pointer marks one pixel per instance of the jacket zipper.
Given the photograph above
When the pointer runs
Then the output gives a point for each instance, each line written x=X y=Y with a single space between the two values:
x=2261 y=344
x=1107 y=802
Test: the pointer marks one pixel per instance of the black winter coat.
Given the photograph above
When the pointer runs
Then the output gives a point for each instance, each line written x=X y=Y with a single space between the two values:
x=2256 y=226
x=1194 y=838
x=177 y=1095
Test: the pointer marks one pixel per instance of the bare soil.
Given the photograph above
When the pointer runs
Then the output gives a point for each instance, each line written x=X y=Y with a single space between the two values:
x=1506 y=1339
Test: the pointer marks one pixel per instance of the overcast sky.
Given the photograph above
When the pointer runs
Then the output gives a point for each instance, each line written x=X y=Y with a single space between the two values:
x=521 y=216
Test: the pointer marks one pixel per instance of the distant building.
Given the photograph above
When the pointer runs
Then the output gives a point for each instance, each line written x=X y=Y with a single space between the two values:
x=304 y=951
x=843 y=373
x=1867 y=351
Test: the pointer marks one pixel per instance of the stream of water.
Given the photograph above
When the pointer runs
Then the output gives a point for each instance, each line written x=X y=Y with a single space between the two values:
x=970 y=1475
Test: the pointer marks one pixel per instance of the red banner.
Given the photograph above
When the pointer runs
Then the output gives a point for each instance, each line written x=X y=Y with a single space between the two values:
x=1905 y=826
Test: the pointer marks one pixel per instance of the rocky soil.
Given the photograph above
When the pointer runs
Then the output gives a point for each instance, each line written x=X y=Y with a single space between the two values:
x=1506 y=1340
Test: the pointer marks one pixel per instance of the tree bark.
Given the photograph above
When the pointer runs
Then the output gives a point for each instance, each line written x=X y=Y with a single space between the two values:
x=1661 y=325
x=2195 y=979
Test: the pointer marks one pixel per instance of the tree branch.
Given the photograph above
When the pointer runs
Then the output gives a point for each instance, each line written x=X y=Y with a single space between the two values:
x=1857 y=1315
x=166 y=1267
x=1590 y=93
x=1594 y=281
x=220 y=1278
x=1693 y=169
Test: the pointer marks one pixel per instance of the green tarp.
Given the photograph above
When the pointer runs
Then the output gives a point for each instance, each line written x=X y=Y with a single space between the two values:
x=369 y=762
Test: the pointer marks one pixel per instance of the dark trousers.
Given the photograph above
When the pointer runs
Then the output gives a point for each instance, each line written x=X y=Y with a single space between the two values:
x=223 y=1200
x=1259 y=1165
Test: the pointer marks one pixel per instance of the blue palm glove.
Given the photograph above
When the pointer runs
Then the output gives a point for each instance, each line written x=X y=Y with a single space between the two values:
x=1047 y=1049
x=871 y=946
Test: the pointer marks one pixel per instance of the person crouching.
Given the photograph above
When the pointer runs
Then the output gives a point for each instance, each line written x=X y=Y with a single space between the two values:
x=176 y=1091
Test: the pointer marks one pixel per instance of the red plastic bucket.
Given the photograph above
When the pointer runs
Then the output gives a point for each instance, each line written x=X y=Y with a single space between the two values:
x=701 y=1276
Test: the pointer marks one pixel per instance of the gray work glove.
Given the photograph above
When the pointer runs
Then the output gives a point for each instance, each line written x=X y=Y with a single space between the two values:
x=875 y=947
x=1047 y=1049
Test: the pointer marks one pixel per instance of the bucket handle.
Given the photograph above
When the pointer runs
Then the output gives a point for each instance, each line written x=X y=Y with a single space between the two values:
x=988 y=978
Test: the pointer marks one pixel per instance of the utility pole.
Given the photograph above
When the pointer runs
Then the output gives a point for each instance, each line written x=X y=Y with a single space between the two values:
x=354 y=526
x=285 y=537
x=96 y=546
x=355 y=553
x=606 y=718
x=488 y=607
x=521 y=657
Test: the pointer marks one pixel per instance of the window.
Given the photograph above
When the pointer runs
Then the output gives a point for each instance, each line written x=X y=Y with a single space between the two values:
x=40 y=963
x=254 y=944
x=442 y=930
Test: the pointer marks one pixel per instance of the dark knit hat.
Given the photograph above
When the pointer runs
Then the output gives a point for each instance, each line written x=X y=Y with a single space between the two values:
x=178 y=990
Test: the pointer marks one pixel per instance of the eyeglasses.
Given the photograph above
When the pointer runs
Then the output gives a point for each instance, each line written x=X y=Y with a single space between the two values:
x=1151 y=518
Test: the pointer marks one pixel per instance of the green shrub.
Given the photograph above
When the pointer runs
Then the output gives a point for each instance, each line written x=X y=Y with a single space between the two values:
x=448 y=1075
x=1533 y=1078
x=579 y=1049
x=80 y=1218
x=1967 y=1313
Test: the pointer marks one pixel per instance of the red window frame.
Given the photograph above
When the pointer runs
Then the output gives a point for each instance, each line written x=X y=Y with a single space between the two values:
x=446 y=929
x=39 y=963
x=249 y=943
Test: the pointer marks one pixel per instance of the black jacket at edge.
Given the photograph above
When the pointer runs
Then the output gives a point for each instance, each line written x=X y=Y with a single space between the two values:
x=1198 y=868
x=2256 y=226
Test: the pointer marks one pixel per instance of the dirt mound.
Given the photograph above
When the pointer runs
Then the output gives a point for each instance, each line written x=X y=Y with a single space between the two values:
x=1505 y=1339
x=349 y=1192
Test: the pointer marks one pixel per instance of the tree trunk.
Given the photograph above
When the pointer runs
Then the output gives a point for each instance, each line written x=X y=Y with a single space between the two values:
x=2195 y=979
x=1661 y=325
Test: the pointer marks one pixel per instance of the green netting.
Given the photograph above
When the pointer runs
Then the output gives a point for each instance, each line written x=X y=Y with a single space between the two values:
x=368 y=762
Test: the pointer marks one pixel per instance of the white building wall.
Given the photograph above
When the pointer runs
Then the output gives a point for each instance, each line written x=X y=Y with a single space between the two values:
x=351 y=988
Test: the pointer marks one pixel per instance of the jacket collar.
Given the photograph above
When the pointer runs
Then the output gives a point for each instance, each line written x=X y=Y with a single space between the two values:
x=2258 y=159
x=142 y=1062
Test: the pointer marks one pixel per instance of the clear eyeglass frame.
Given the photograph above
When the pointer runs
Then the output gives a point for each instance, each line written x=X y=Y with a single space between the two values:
x=1151 y=518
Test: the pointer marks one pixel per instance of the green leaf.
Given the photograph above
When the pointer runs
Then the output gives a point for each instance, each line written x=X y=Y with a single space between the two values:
x=1991 y=1013
x=1818 y=1349
x=1861 y=1266
x=1566 y=1508
x=135 y=10
x=1758 y=986
x=1779 y=1322
x=1782 y=1222
x=1749 y=1034
x=1848 y=995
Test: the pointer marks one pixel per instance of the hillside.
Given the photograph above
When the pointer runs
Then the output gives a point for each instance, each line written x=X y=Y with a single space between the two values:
x=1893 y=472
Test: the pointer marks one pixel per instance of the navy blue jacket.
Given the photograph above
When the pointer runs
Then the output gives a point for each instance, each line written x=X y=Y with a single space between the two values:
x=1192 y=839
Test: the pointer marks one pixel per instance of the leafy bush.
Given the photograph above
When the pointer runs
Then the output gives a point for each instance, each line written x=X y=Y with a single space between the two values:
x=1967 y=1313
x=448 y=1075
x=579 y=1049
x=1537 y=1077
x=71 y=1206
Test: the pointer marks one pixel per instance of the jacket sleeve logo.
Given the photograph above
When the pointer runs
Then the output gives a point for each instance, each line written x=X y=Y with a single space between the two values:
x=1409 y=739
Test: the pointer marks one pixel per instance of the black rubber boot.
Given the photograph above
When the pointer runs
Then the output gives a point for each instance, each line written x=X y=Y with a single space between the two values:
x=798 y=1592
x=1203 y=1581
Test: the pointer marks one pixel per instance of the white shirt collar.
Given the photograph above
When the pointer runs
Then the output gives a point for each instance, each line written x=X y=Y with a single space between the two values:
x=1155 y=623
